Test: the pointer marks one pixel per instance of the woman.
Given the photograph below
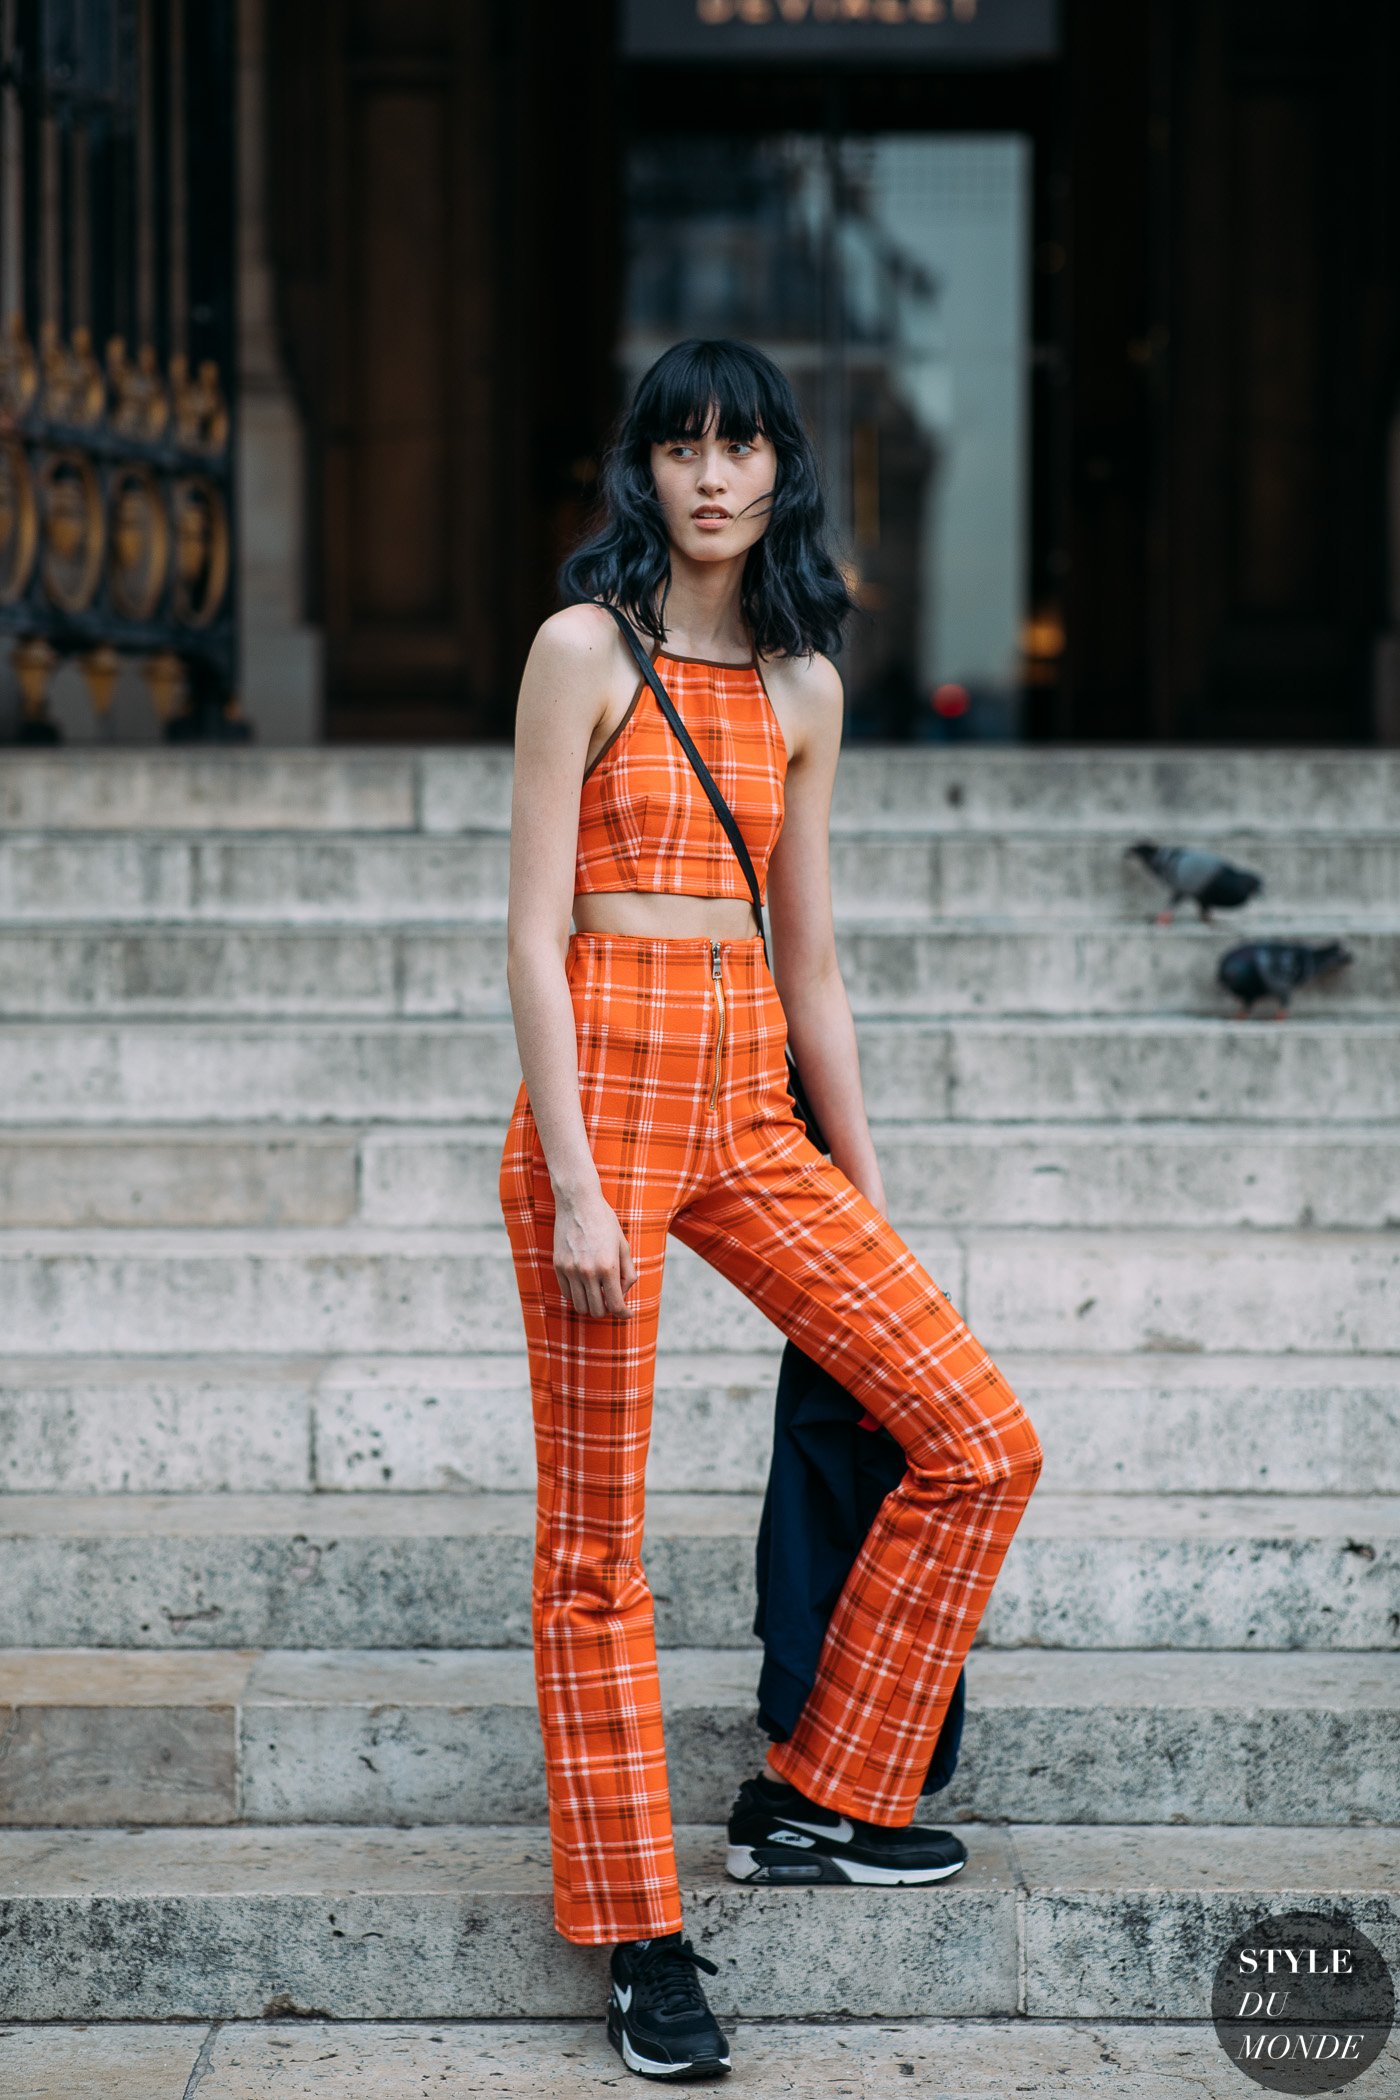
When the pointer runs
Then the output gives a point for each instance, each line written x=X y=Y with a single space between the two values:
x=655 y=1101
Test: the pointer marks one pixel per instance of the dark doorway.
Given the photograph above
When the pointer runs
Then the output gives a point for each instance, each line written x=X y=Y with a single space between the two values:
x=481 y=209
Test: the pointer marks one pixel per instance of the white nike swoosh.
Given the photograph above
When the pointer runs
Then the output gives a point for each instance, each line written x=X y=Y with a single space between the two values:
x=624 y=1998
x=841 y=1832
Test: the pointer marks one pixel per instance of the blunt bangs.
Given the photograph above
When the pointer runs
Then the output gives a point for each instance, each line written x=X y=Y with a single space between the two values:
x=696 y=382
x=793 y=595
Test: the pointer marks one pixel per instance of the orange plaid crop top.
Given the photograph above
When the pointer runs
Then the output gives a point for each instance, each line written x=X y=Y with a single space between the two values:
x=645 y=822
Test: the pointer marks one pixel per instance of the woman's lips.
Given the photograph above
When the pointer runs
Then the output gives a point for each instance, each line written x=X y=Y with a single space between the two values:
x=708 y=520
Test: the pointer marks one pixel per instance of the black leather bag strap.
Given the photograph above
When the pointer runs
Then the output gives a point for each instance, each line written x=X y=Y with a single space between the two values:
x=731 y=831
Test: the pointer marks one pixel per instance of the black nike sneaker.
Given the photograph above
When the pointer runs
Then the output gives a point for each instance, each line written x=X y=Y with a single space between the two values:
x=658 y=2020
x=777 y=1835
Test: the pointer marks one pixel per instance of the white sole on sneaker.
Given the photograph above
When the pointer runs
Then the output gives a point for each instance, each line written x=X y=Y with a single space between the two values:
x=741 y=1865
x=650 y=2068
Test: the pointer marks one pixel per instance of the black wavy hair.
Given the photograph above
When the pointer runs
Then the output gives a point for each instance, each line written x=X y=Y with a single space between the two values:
x=793 y=596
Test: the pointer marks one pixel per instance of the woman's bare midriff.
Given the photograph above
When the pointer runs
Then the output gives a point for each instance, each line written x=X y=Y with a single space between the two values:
x=658 y=915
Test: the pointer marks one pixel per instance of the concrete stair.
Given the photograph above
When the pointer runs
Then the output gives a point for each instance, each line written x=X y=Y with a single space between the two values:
x=524 y=2059
x=1046 y=1174
x=268 y=1743
x=1053 y=1921
x=1149 y=1423
x=395 y=1570
x=988 y=966
x=406 y=1736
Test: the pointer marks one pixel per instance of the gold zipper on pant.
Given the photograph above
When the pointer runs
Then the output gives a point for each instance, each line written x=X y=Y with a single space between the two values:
x=719 y=1002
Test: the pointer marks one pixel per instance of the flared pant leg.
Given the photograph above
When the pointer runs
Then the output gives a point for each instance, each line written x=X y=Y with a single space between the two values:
x=793 y=1233
x=592 y=1614
x=645 y=1017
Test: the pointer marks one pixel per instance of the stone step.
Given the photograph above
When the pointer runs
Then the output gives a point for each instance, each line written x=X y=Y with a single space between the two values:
x=308 y=2059
x=1146 y=1424
x=289 y=878
x=452 y=789
x=1048 y=1921
x=378 y=1288
x=1315 y=1071
x=1028 y=1174
x=434 y=1571
x=109 y=1736
x=433 y=972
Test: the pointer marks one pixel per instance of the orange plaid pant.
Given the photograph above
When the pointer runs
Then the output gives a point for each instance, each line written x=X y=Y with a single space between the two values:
x=683 y=1087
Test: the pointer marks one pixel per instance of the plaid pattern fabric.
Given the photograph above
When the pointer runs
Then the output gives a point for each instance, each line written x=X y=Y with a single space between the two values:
x=727 y=1168
x=644 y=821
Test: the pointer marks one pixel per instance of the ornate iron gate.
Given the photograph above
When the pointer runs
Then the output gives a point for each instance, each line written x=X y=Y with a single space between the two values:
x=117 y=259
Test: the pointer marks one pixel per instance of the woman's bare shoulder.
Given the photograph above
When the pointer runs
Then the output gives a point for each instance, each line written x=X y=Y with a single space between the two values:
x=809 y=692
x=812 y=679
x=575 y=635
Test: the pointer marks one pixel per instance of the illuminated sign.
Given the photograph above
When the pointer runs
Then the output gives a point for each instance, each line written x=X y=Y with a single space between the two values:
x=911 y=32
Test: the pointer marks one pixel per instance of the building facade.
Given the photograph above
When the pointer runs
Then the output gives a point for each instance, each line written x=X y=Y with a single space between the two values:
x=1093 y=307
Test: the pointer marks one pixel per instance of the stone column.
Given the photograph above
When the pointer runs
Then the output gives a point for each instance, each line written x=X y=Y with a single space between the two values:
x=280 y=667
x=1387 y=666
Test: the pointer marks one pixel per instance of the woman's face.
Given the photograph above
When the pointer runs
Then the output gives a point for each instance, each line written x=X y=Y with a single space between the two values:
x=714 y=492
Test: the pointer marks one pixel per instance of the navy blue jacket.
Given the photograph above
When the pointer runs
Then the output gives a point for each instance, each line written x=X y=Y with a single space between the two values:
x=826 y=1479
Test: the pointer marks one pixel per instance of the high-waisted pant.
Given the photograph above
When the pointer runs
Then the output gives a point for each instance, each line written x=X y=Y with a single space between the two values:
x=682 y=1080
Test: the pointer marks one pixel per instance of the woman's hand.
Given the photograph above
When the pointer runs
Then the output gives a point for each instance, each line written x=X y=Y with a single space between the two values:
x=591 y=1256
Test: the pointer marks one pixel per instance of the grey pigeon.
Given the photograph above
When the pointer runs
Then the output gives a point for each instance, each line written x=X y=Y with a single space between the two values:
x=1275 y=969
x=1187 y=871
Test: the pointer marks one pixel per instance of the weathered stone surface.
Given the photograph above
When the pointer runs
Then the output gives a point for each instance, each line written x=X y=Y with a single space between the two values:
x=359 y=1288
x=221 y=1072
x=178 y=1177
x=1101 y=1071
x=1109 y=1071
x=452 y=1736
x=561 y=2059
x=943 y=1174
x=302 y=1289
x=919 y=873
x=373 y=1287
x=398 y=1924
x=91 y=1736
x=1138 y=1916
x=1027 y=873
x=363 y=971
x=1118 y=793
x=1154 y=1174
x=279 y=879
x=1063 y=1922
x=156 y=1425
x=1154 y=1424
x=397 y=1571
x=423 y=1737
x=1319 y=1293
x=447 y=789
x=1212 y=1423
x=119 y=2061
x=132 y=791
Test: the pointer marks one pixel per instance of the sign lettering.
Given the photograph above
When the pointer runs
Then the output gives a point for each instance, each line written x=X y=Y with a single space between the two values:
x=927 y=32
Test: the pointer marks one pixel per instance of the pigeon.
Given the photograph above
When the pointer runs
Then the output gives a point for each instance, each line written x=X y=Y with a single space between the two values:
x=1189 y=872
x=1274 y=969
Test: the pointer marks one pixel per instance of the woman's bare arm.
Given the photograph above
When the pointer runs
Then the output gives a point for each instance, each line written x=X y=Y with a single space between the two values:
x=563 y=697
x=805 y=969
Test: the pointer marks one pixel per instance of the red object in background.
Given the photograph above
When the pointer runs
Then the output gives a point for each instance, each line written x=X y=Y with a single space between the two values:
x=950 y=700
